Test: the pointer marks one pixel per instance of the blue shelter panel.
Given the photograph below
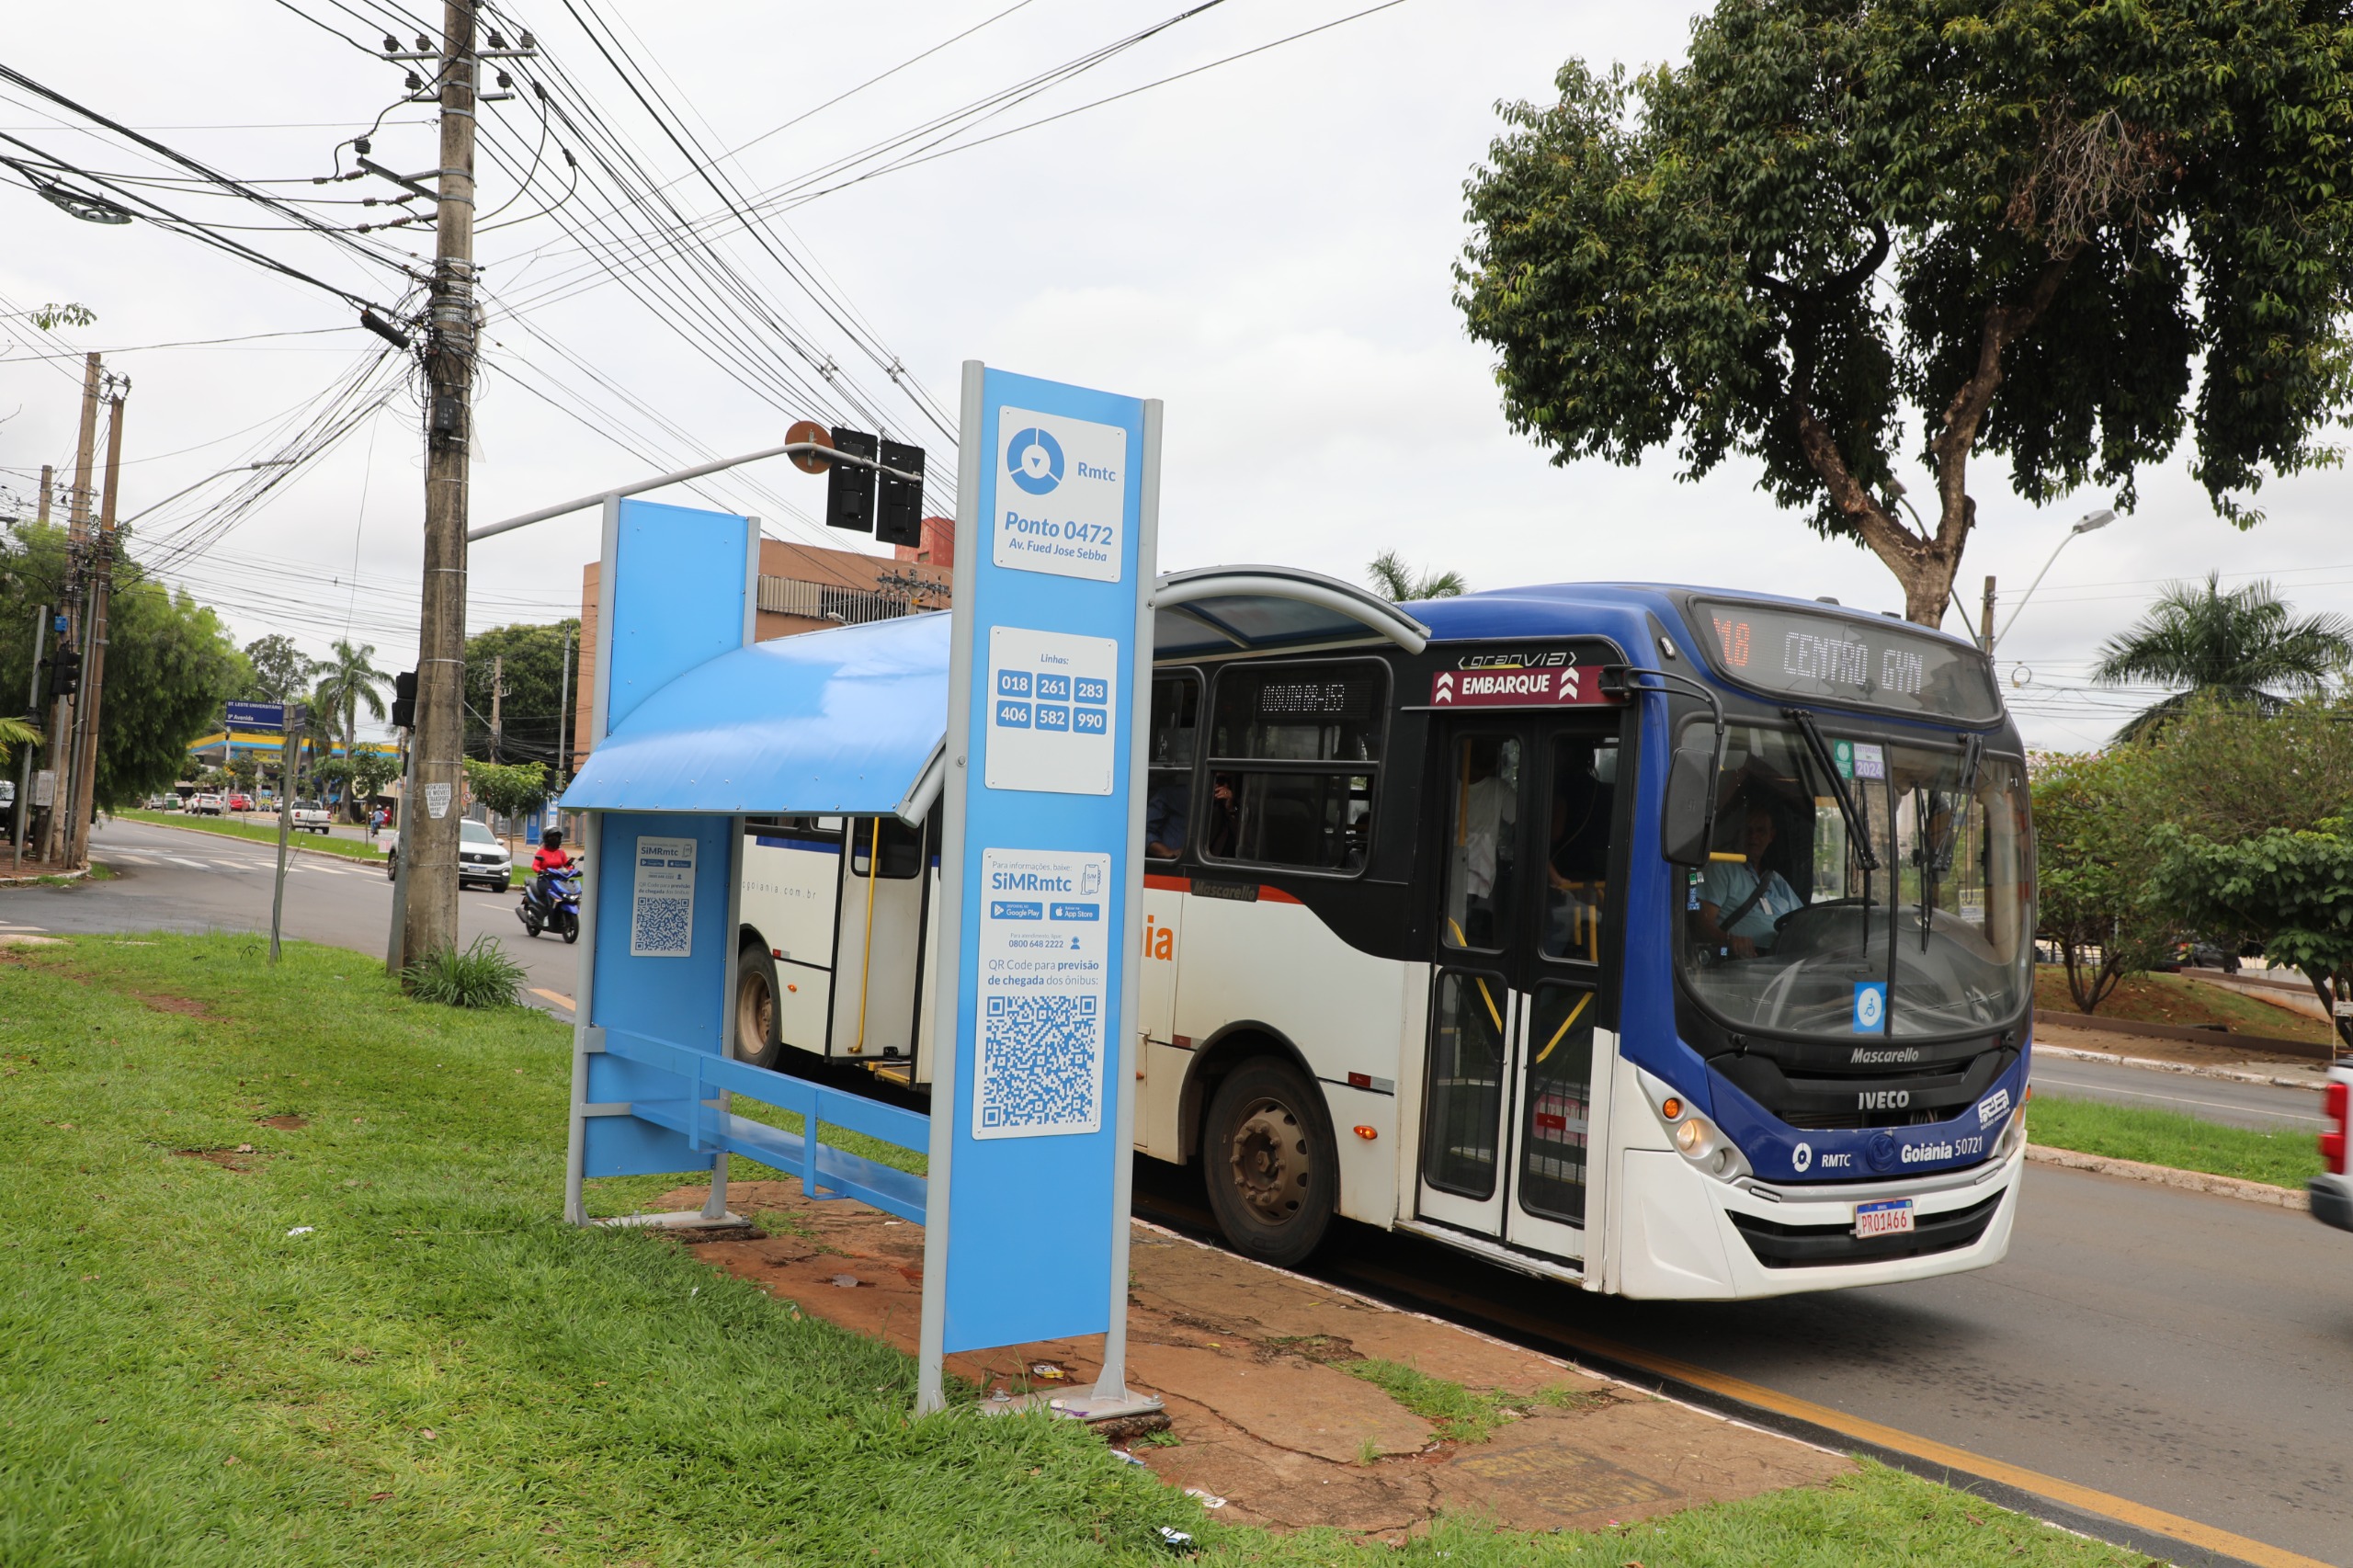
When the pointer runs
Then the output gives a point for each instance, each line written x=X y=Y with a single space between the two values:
x=1044 y=870
x=674 y=578
x=828 y=722
x=663 y=945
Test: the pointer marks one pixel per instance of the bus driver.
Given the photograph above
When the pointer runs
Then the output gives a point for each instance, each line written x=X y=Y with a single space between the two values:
x=1740 y=901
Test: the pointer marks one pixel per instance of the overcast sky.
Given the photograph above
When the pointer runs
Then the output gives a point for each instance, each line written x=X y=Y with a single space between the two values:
x=1266 y=246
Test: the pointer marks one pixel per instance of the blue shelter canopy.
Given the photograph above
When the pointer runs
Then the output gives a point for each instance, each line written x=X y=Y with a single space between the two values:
x=851 y=721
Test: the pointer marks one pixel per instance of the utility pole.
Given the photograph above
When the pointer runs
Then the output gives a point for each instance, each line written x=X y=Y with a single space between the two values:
x=428 y=844
x=94 y=660
x=498 y=719
x=32 y=704
x=1986 y=619
x=563 y=719
x=77 y=516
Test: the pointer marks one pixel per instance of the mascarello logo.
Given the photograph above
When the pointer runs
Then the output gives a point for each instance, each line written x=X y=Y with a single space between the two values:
x=1035 y=461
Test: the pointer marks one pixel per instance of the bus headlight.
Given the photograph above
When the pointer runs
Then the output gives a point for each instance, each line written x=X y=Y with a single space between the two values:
x=1695 y=1137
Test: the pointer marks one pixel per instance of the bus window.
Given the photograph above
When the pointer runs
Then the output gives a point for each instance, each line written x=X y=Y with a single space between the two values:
x=1168 y=789
x=902 y=847
x=1482 y=846
x=1576 y=868
x=1294 y=754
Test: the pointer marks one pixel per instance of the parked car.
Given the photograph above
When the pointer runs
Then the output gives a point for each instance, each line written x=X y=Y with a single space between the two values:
x=309 y=816
x=241 y=802
x=7 y=794
x=2331 y=1190
x=204 y=803
x=481 y=858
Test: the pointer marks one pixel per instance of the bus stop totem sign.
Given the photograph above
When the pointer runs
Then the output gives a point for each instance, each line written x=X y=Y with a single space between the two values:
x=1042 y=857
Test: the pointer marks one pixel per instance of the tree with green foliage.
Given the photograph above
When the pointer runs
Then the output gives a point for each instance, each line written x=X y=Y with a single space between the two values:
x=1838 y=237
x=282 y=671
x=2239 y=647
x=348 y=681
x=529 y=659
x=170 y=663
x=2093 y=857
x=511 y=791
x=16 y=732
x=244 y=770
x=2288 y=890
x=1398 y=583
x=2227 y=772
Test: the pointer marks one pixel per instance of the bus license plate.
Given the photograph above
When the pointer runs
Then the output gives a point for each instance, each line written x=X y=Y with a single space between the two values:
x=1890 y=1217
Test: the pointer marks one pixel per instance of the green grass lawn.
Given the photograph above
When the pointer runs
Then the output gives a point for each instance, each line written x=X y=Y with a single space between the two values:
x=229 y=827
x=2170 y=999
x=2168 y=1138
x=438 y=1370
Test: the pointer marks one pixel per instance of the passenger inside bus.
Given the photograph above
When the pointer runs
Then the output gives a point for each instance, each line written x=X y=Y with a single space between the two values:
x=1577 y=860
x=1740 y=900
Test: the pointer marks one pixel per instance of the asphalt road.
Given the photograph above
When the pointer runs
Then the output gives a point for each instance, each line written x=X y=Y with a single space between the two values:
x=2186 y=1353
x=174 y=879
x=2265 y=1106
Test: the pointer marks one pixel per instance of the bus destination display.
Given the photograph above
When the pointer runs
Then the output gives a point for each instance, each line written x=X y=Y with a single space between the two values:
x=1834 y=658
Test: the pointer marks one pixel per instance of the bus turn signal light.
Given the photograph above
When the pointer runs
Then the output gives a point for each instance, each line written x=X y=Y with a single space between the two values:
x=1367 y=1134
x=1671 y=1108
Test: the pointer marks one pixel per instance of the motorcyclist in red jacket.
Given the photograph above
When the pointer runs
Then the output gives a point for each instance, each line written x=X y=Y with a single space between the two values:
x=548 y=857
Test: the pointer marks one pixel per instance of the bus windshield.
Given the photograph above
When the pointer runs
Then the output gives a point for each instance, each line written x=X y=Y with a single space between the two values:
x=1793 y=927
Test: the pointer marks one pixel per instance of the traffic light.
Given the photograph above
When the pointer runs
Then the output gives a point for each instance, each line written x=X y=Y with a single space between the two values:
x=65 y=672
x=898 y=517
x=850 y=487
x=405 y=700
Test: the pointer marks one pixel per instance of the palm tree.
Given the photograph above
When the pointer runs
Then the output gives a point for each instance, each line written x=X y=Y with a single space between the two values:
x=1396 y=582
x=16 y=732
x=2240 y=646
x=347 y=682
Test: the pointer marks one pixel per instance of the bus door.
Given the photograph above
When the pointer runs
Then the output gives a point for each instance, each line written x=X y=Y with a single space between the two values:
x=1510 y=1061
x=878 y=946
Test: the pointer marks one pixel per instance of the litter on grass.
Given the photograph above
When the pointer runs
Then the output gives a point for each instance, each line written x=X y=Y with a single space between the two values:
x=1126 y=1457
x=1209 y=1499
x=301 y=1230
x=1176 y=1539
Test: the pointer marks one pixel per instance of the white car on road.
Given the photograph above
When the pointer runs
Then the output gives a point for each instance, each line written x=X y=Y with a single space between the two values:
x=309 y=816
x=2331 y=1190
x=481 y=858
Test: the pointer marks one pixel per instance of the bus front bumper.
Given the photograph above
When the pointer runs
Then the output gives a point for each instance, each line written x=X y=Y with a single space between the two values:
x=1688 y=1236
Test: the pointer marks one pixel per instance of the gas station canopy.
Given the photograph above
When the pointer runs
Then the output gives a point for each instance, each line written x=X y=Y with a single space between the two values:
x=851 y=721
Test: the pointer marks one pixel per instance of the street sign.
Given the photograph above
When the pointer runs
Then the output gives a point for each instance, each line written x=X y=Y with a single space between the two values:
x=257 y=715
x=1041 y=871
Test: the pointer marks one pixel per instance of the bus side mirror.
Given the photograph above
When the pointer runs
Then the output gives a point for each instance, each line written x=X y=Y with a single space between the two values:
x=1688 y=815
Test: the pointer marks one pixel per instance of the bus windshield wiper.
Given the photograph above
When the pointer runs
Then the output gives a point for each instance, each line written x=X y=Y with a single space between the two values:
x=1857 y=831
x=1936 y=853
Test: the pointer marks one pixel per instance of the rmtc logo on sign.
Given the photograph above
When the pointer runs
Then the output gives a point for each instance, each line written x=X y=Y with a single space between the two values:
x=1061 y=512
x=1035 y=461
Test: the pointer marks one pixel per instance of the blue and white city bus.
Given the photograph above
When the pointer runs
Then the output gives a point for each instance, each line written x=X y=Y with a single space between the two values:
x=1671 y=941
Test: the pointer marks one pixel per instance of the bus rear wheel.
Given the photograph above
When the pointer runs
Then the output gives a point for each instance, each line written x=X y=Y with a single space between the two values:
x=1267 y=1161
x=758 y=1038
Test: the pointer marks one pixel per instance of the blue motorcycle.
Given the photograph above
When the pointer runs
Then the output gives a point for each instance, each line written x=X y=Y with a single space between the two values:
x=558 y=910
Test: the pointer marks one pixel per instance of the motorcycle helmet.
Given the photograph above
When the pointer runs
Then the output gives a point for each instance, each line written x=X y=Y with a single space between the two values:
x=552 y=838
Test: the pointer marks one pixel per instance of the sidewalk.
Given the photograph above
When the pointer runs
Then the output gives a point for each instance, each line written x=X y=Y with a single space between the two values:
x=1269 y=1379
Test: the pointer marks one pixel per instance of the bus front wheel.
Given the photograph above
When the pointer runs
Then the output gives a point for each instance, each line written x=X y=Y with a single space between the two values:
x=758 y=1039
x=1267 y=1161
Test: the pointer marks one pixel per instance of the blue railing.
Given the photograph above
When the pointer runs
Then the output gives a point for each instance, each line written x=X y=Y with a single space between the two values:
x=824 y=1171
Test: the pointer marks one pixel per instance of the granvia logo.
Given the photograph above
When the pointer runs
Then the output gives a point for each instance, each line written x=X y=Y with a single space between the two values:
x=1034 y=459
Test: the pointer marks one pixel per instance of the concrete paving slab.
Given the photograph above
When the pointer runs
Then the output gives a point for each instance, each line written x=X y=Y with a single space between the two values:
x=1250 y=1363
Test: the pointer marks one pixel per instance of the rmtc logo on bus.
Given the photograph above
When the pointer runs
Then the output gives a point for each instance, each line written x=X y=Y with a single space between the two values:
x=1060 y=512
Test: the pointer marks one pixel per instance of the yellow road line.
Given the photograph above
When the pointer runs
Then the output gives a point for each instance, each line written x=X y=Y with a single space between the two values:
x=558 y=997
x=1895 y=1439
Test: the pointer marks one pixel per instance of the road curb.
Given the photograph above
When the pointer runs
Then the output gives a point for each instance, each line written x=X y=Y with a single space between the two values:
x=38 y=879
x=2229 y=1074
x=2166 y=1176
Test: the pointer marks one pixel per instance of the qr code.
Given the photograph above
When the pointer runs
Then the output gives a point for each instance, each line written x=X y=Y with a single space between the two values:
x=1041 y=1064
x=664 y=927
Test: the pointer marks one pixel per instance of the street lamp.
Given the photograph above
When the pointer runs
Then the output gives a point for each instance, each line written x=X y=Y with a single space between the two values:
x=241 y=468
x=2090 y=522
